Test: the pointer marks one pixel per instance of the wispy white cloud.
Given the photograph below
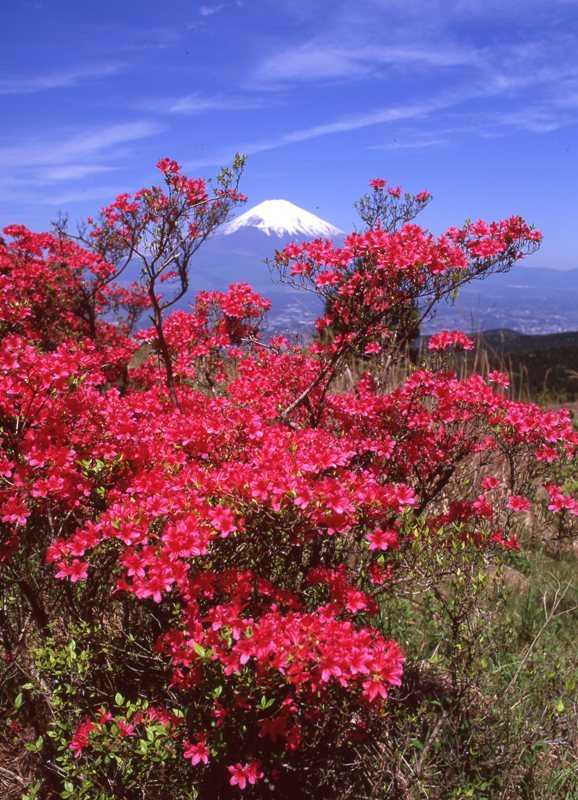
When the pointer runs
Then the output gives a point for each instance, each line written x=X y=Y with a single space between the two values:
x=67 y=198
x=326 y=60
x=51 y=171
x=128 y=38
x=197 y=103
x=91 y=143
x=538 y=121
x=384 y=41
x=378 y=116
x=31 y=195
x=370 y=38
x=483 y=125
x=478 y=115
x=412 y=144
x=530 y=65
x=57 y=80
x=355 y=122
x=532 y=119
x=506 y=8
x=209 y=11
x=74 y=172
x=502 y=66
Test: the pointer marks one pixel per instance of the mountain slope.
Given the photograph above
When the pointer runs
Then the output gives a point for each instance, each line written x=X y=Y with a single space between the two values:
x=530 y=300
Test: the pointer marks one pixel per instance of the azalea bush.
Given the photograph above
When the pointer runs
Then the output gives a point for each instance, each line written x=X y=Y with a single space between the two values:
x=207 y=550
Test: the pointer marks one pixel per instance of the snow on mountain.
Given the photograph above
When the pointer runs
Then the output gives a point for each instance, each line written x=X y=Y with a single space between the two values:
x=281 y=218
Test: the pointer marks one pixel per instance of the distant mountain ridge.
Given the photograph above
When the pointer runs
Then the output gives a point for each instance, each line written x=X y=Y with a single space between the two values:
x=507 y=341
x=530 y=300
x=510 y=341
x=541 y=366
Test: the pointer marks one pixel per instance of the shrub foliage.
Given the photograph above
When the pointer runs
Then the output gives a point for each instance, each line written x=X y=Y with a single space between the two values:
x=221 y=572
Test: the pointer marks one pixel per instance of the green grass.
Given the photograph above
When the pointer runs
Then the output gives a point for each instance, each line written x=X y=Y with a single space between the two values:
x=489 y=708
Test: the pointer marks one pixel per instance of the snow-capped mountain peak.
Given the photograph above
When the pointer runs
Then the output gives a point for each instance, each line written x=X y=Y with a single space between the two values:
x=281 y=218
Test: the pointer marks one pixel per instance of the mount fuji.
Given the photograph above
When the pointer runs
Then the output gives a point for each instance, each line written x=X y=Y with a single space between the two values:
x=280 y=218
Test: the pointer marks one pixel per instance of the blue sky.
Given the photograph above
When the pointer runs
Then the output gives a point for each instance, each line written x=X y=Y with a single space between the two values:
x=475 y=100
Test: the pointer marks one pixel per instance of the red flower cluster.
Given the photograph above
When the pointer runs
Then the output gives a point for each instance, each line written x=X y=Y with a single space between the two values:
x=105 y=723
x=265 y=512
x=242 y=774
x=445 y=339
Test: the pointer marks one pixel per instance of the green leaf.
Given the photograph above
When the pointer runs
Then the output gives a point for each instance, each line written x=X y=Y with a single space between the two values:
x=36 y=746
x=199 y=650
x=18 y=700
x=119 y=699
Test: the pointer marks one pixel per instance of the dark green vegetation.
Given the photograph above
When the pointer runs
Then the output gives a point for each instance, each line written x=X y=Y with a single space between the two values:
x=547 y=365
x=542 y=367
x=488 y=708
